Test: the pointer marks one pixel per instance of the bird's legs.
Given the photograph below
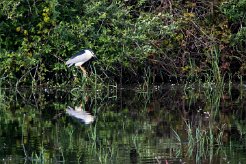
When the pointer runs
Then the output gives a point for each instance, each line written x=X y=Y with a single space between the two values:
x=83 y=70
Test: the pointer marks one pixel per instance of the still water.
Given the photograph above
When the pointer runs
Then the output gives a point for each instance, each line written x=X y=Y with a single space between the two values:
x=163 y=124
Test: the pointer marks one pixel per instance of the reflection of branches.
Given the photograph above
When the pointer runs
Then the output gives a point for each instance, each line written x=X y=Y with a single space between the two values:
x=22 y=138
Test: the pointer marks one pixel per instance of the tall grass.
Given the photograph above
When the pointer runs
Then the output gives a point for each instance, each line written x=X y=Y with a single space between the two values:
x=201 y=139
x=2 y=95
x=209 y=74
x=215 y=70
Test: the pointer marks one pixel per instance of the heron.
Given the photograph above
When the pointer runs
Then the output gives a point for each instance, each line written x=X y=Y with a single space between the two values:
x=80 y=58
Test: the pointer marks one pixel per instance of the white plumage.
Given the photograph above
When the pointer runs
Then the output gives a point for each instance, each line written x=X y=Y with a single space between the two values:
x=80 y=58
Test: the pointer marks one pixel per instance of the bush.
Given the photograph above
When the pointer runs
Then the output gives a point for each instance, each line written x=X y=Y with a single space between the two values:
x=40 y=35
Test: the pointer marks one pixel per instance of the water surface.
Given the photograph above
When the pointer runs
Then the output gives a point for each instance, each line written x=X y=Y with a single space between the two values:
x=166 y=124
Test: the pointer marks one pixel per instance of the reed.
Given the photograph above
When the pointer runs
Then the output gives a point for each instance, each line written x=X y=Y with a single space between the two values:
x=40 y=157
x=201 y=140
x=2 y=97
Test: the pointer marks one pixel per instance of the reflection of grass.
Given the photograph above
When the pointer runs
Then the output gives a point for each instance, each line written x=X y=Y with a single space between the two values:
x=130 y=128
x=203 y=133
x=201 y=141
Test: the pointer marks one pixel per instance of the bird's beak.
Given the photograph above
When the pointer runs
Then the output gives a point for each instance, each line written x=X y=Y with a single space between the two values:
x=95 y=56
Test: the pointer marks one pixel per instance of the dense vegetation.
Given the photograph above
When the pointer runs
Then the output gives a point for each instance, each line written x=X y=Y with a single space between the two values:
x=158 y=39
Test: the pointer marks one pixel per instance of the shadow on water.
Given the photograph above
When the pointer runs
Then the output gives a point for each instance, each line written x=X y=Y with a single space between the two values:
x=167 y=124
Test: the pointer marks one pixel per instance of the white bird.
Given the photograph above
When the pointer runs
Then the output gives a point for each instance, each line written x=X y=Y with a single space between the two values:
x=80 y=58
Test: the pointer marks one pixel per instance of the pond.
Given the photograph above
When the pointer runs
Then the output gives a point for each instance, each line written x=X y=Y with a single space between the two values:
x=160 y=124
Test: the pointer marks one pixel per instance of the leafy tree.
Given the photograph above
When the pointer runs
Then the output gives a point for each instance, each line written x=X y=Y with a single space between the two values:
x=38 y=36
x=132 y=39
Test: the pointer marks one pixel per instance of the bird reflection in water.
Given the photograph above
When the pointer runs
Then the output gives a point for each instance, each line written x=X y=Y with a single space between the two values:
x=81 y=114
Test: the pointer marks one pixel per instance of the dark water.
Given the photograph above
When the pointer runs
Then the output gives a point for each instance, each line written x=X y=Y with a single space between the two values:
x=167 y=124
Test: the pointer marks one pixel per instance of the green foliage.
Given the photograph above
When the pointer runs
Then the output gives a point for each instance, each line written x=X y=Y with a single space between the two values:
x=128 y=37
x=42 y=35
x=235 y=11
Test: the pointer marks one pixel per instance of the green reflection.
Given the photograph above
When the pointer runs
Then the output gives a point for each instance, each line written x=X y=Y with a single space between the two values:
x=171 y=123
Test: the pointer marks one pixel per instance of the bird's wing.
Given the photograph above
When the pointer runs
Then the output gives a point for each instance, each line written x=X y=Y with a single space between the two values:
x=79 y=57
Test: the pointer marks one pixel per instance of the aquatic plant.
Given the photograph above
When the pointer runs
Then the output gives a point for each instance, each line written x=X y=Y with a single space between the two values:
x=2 y=97
x=201 y=141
